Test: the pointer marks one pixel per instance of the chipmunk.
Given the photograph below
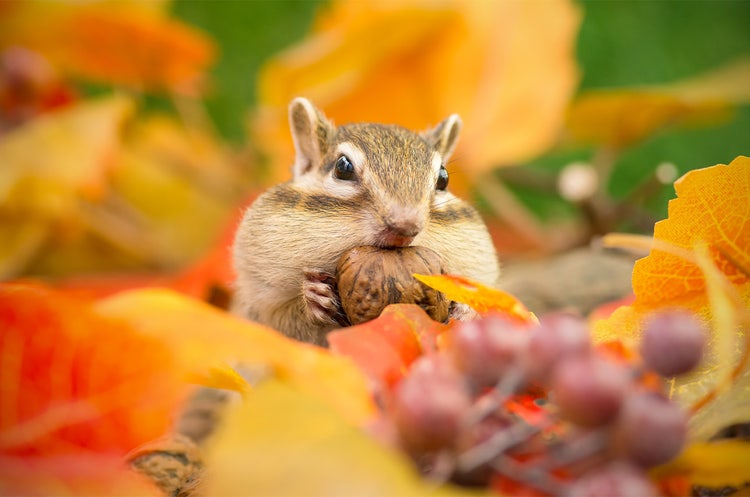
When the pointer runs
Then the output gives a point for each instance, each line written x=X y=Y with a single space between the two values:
x=355 y=184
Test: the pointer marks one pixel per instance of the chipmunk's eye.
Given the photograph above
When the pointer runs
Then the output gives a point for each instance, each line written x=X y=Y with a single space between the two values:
x=442 y=181
x=343 y=169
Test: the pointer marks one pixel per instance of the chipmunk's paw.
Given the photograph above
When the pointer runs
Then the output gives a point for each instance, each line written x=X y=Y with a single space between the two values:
x=320 y=296
x=462 y=312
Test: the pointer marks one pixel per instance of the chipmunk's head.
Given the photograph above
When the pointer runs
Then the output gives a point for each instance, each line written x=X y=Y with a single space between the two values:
x=390 y=178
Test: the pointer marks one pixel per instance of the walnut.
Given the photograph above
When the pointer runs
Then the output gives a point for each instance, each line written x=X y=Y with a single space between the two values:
x=370 y=278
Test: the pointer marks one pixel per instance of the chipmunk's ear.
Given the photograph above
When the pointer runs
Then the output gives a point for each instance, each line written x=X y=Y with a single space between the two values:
x=311 y=132
x=445 y=135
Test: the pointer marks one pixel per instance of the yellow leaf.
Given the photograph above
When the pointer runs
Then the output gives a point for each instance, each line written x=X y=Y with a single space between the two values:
x=221 y=376
x=712 y=464
x=59 y=155
x=202 y=337
x=699 y=261
x=481 y=298
x=620 y=118
x=182 y=182
x=283 y=442
x=507 y=68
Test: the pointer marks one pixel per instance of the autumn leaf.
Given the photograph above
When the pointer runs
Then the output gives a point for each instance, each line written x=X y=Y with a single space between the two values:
x=206 y=342
x=176 y=187
x=481 y=298
x=72 y=475
x=506 y=67
x=712 y=207
x=73 y=378
x=99 y=199
x=386 y=346
x=37 y=189
x=622 y=117
x=131 y=44
x=78 y=143
x=281 y=441
x=78 y=391
x=699 y=261
x=714 y=464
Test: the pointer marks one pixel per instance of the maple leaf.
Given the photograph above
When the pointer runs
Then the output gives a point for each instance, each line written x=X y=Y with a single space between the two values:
x=507 y=68
x=78 y=391
x=700 y=261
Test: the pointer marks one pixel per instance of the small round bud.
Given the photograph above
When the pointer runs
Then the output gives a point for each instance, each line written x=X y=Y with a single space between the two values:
x=429 y=404
x=484 y=349
x=558 y=335
x=672 y=342
x=589 y=390
x=650 y=429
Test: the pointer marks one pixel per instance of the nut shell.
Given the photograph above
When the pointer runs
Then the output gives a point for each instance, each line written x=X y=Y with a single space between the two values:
x=371 y=278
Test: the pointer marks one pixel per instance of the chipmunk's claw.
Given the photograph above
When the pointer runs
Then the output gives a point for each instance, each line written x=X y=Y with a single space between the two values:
x=320 y=294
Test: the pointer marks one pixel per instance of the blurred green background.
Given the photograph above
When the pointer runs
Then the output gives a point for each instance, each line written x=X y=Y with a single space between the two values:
x=620 y=44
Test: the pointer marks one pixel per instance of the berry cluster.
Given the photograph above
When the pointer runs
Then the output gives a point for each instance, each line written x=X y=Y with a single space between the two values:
x=540 y=410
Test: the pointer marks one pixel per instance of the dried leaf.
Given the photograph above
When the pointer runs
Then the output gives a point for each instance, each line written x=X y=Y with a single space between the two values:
x=203 y=338
x=283 y=442
x=385 y=347
x=481 y=298
x=506 y=67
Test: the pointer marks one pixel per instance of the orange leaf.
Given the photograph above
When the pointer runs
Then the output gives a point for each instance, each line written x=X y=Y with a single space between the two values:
x=74 y=380
x=481 y=298
x=700 y=260
x=205 y=340
x=127 y=44
x=507 y=68
x=712 y=207
x=385 y=347
x=74 y=475
x=77 y=392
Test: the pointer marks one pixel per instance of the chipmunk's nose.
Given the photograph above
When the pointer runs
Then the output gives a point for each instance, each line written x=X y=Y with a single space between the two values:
x=401 y=226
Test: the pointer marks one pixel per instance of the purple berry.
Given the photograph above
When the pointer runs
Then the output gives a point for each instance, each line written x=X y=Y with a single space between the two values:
x=672 y=342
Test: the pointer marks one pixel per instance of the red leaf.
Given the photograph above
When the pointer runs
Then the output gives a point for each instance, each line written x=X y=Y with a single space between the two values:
x=385 y=347
x=76 y=382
